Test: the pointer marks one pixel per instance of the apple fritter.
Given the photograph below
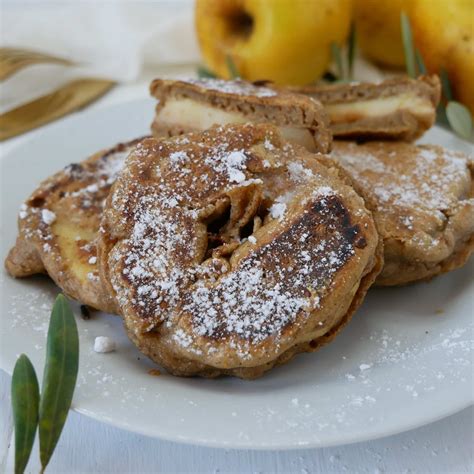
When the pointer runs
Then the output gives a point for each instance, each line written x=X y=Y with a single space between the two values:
x=422 y=198
x=197 y=104
x=58 y=225
x=231 y=250
x=398 y=109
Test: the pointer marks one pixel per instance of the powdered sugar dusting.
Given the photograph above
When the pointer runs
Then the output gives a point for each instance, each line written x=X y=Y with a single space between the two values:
x=252 y=307
x=407 y=183
x=235 y=163
x=23 y=211
x=92 y=182
x=240 y=88
x=104 y=344
x=428 y=181
x=102 y=175
x=298 y=172
x=72 y=199
x=277 y=211
x=47 y=216
x=161 y=276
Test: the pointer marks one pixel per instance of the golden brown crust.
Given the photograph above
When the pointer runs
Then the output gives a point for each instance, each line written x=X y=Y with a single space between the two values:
x=58 y=225
x=258 y=104
x=231 y=250
x=401 y=124
x=423 y=203
x=399 y=273
x=424 y=86
x=23 y=259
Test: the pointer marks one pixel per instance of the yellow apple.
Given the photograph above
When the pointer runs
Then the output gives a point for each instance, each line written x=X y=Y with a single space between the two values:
x=378 y=29
x=444 y=33
x=286 y=41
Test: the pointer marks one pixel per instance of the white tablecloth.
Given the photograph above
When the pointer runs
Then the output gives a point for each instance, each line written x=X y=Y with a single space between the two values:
x=88 y=446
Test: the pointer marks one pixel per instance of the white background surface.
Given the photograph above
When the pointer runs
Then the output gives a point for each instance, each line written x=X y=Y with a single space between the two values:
x=88 y=446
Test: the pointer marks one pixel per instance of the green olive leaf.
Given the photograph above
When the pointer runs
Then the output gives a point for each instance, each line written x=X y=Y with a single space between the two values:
x=420 y=64
x=232 y=68
x=351 y=50
x=60 y=375
x=204 y=73
x=337 y=58
x=25 y=403
x=407 y=40
x=460 y=119
x=441 y=117
x=446 y=85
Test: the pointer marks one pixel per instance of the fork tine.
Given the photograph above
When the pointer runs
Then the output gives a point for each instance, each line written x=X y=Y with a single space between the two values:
x=69 y=98
x=13 y=60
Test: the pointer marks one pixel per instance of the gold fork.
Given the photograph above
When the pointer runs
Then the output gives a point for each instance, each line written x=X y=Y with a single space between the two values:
x=14 y=59
x=68 y=98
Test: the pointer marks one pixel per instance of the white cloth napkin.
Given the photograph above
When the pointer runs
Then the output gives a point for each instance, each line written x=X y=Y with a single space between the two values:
x=106 y=39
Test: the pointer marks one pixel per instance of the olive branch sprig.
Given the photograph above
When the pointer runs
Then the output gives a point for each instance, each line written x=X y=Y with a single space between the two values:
x=204 y=73
x=46 y=411
x=343 y=59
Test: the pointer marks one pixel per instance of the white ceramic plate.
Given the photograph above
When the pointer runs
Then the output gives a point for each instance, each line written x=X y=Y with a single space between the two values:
x=403 y=361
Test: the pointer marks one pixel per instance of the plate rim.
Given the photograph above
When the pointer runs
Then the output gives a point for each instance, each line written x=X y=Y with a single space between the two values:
x=205 y=443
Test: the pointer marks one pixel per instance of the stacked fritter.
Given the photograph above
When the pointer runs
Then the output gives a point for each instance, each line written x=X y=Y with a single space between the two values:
x=422 y=200
x=421 y=196
x=235 y=239
x=58 y=226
